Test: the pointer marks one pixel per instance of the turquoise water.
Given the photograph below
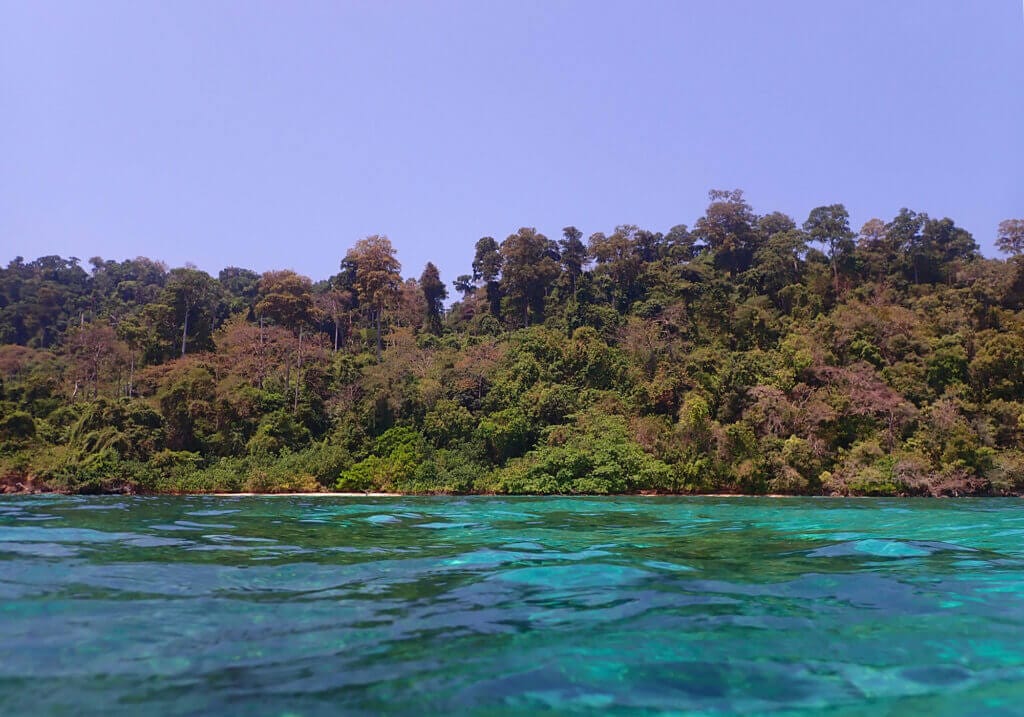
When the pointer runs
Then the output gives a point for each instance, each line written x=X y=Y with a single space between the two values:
x=309 y=606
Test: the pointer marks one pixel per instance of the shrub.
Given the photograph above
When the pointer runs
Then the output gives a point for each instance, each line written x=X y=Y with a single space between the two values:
x=593 y=456
x=17 y=426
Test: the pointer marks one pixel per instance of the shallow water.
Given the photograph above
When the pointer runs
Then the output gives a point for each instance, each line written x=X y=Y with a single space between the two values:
x=308 y=606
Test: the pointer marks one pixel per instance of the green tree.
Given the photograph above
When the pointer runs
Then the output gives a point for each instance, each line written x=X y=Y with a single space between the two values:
x=434 y=292
x=944 y=247
x=830 y=226
x=528 y=272
x=875 y=252
x=241 y=289
x=286 y=298
x=621 y=263
x=779 y=263
x=377 y=278
x=1010 y=238
x=728 y=230
x=464 y=285
x=574 y=255
x=487 y=262
x=192 y=295
x=903 y=235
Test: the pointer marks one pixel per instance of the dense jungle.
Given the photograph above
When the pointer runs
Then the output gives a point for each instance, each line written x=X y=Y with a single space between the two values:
x=750 y=353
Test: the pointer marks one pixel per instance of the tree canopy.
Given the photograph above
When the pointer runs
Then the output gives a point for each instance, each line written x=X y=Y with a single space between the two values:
x=753 y=353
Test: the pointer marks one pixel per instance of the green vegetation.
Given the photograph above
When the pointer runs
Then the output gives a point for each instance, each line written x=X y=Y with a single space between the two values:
x=747 y=354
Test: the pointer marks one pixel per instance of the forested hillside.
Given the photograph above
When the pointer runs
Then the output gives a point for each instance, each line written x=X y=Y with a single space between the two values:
x=747 y=353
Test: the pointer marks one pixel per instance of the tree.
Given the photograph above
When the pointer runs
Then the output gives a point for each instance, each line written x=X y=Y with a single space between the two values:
x=40 y=299
x=830 y=226
x=679 y=241
x=241 y=288
x=619 y=259
x=286 y=298
x=487 y=260
x=464 y=285
x=92 y=350
x=649 y=246
x=774 y=223
x=903 y=235
x=191 y=294
x=943 y=246
x=779 y=263
x=728 y=230
x=1010 y=238
x=487 y=263
x=377 y=278
x=574 y=254
x=528 y=272
x=336 y=305
x=435 y=293
x=875 y=252
x=132 y=332
x=253 y=352
x=410 y=306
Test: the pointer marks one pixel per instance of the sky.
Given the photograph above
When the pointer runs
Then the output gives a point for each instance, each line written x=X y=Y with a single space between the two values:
x=274 y=135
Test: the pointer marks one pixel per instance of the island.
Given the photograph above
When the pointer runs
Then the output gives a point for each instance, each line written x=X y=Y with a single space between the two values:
x=748 y=353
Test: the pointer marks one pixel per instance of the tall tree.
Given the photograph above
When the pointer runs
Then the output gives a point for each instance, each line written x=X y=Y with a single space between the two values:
x=574 y=254
x=528 y=271
x=620 y=261
x=286 y=298
x=435 y=293
x=774 y=223
x=875 y=252
x=92 y=349
x=779 y=263
x=830 y=227
x=191 y=294
x=1010 y=238
x=904 y=236
x=464 y=285
x=487 y=262
x=377 y=278
x=680 y=243
x=241 y=288
x=410 y=308
x=945 y=247
x=336 y=305
x=728 y=230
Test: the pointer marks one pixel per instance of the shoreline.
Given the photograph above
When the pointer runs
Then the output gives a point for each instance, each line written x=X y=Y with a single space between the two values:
x=329 y=494
x=336 y=494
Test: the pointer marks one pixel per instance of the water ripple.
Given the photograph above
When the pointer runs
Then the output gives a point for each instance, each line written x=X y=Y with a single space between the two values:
x=509 y=606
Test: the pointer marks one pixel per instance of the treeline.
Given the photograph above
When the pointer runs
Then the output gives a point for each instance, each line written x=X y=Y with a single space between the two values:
x=749 y=353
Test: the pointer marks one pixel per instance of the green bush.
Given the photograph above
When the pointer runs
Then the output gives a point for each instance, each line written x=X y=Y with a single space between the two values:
x=17 y=426
x=593 y=456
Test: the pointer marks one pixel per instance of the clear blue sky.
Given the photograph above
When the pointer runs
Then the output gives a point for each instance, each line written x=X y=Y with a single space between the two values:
x=275 y=134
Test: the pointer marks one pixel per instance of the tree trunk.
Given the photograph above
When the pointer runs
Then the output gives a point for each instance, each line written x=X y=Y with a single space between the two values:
x=379 y=345
x=298 y=374
x=263 y=355
x=184 y=331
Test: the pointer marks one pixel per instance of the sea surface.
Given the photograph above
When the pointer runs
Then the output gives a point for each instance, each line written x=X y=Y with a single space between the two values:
x=506 y=606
